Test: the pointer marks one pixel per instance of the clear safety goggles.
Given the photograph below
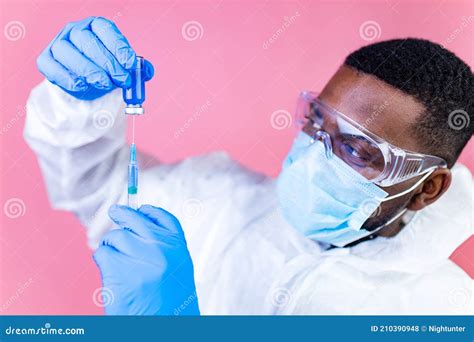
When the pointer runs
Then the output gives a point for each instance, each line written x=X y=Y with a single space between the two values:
x=371 y=156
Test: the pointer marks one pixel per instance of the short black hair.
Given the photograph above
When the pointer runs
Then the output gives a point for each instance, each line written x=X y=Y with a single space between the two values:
x=437 y=78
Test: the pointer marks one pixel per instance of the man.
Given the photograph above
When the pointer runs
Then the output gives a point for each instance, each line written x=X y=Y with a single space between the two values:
x=362 y=219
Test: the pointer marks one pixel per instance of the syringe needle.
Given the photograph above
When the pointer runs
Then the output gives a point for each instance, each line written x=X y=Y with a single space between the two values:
x=133 y=178
x=133 y=130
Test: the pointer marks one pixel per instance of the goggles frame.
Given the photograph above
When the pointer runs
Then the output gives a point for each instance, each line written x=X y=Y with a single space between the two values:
x=400 y=164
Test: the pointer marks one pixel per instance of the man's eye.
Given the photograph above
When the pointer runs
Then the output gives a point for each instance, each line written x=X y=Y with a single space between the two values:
x=316 y=112
x=315 y=116
x=351 y=151
x=351 y=155
x=312 y=121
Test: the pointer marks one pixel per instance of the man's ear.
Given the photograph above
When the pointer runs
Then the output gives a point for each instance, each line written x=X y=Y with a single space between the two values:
x=431 y=189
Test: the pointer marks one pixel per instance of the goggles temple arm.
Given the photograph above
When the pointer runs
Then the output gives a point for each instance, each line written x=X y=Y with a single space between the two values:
x=411 y=188
x=326 y=139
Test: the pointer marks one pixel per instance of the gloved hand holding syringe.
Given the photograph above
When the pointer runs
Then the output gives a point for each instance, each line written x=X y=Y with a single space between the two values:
x=134 y=96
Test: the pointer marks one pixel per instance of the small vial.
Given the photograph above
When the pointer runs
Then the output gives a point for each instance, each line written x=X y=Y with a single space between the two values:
x=135 y=95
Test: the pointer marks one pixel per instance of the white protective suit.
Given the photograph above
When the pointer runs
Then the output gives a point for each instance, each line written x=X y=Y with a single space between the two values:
x=247 y=258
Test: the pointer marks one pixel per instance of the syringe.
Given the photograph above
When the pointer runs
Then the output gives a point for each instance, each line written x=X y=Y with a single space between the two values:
x=134 y=96
x=133 y=178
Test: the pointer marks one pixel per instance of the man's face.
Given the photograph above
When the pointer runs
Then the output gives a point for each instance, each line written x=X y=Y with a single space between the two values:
x=383 y=110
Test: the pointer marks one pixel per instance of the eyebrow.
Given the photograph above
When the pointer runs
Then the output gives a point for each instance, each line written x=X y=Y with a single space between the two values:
x=346 y=128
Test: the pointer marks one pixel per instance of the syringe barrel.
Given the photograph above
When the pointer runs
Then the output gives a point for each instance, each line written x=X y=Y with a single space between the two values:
x=132 y=179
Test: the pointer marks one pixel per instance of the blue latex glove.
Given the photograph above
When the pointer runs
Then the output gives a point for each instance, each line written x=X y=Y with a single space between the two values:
x=89 y=58
x=145 y=266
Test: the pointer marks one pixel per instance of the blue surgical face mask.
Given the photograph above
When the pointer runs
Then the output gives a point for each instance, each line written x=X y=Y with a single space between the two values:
x=325 y=198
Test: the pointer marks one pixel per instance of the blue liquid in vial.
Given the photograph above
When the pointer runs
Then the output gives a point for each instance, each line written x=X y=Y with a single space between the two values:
x=135 y=95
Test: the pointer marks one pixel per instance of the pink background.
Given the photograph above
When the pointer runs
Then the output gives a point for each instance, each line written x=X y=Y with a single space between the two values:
x=46 y=267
